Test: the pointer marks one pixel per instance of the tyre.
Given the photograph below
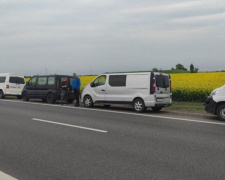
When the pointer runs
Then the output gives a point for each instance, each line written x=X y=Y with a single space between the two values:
x=107 y=105
x=156 y=109
x=25 y=96
x=70 y=101
x=1 y=94
x=50 y=98
x=139 y=105
x=88 y=102
x=221 y=112
x=43 y=100
x=19 y=97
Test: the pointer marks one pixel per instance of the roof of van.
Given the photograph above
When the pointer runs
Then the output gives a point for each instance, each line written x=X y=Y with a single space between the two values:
x=127 y=72
x=54 y=75
x=10 y=74
x=137 y=72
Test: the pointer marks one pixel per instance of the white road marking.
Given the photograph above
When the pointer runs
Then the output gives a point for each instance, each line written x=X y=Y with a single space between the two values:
x=69 y=125
x=121 y=112
x=4 y=176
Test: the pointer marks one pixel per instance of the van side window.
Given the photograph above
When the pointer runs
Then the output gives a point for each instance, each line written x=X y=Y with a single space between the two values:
x=51 y=80
x=100 y=81
x=33 y=81
x=42 y=81
x=2 y=79
x=117 y=80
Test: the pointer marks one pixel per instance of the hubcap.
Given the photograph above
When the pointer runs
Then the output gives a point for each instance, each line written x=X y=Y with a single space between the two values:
x=222 y=113
x=50 y=98
x=87 y=102
x=24 y=96
x=138 y=106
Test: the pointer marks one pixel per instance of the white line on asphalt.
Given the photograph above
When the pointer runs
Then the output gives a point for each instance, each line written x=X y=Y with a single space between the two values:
x=69 y=125
x=121 y=112
x=4 y=176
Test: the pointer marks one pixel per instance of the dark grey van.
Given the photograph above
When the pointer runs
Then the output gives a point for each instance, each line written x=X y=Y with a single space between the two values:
x=47 y=88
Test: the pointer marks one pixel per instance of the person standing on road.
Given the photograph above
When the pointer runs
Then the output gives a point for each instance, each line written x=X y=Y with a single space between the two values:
x=76 y=89
x=65 y=87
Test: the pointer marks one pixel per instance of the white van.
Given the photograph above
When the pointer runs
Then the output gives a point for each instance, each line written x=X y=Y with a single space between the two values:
x=11 y=84
x=215 y=104
x=141 y=90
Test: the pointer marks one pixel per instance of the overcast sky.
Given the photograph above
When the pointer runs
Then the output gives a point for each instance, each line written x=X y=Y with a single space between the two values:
x=96 y=36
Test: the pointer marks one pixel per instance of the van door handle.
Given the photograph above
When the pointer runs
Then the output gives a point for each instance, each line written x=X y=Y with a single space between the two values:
x=103 y=89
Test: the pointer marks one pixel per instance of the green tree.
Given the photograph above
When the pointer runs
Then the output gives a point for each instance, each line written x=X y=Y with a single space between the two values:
x=196 y=70
x=192 y=68
x=155 y=70
x=181 y=67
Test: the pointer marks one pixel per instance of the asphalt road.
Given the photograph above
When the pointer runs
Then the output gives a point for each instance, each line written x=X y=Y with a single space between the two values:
x=40 y=141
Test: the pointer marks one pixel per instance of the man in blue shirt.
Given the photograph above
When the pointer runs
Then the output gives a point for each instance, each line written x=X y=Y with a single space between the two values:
x=76 y=89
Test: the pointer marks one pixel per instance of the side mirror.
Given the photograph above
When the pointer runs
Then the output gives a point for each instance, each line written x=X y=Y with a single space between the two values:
x=92 y=84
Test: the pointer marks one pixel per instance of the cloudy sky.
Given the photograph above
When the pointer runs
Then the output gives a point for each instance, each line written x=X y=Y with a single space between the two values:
x=96 y=36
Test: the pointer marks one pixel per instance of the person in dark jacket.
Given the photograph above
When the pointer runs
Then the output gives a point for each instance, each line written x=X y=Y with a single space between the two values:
x=65 y=87
x=76 y=89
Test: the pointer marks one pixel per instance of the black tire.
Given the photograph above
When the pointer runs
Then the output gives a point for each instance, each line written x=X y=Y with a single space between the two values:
x=156 y=109
x=70 y=101
x=139 y=105
x=25 y=96
x=107 y=105
x=88 y=102
x=19 y=97
x=43 y=100
x=50 y=98
x=1 y=94
x=221 y=112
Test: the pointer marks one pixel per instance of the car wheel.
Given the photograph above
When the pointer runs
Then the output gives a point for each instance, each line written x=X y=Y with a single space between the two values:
x=221 y=112
x=88 y=102
x=43 y=100
x=19 y=97
x=1 y=95
x=107 y=105
x=70 y=101
x=139 y=105
x=50 y=98
x=25 y=96
x=156 y=109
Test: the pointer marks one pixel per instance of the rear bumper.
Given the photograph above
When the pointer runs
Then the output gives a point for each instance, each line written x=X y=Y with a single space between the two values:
x=12 y=94
x=160 y=103
x=210 y=105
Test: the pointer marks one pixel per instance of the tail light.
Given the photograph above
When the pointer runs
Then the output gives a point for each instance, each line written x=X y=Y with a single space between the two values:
x=153 y=85
x=7 y=86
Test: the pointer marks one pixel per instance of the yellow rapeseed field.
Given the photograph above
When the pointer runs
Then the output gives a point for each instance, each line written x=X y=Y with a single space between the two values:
x=195 y=86
x=186 y=86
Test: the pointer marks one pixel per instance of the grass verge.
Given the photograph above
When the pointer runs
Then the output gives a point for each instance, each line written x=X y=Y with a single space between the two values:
x=188 y=106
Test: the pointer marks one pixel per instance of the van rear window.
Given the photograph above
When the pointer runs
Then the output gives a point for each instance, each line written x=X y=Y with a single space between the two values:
x=16 y=80
x=162 y=81
x=2 y=79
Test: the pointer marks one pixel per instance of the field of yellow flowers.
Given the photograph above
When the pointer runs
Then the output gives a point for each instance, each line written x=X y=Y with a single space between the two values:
x=186 y=86
x=195 y=86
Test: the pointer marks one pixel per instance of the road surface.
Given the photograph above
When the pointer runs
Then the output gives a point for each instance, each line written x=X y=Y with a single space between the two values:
x=40 y=141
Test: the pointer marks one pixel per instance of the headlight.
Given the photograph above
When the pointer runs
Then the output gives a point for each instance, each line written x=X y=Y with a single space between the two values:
x=214 y=93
